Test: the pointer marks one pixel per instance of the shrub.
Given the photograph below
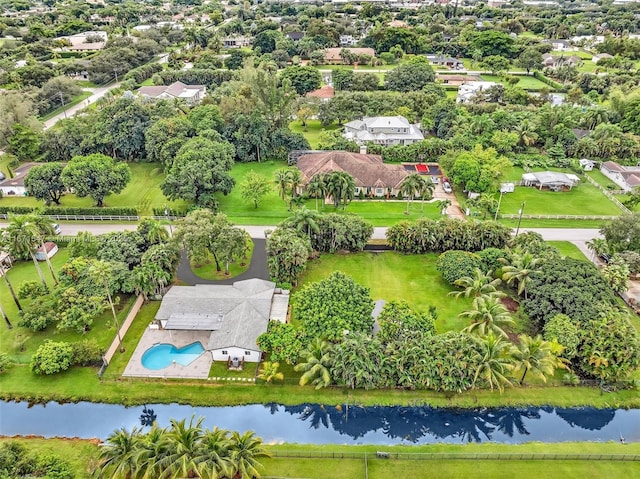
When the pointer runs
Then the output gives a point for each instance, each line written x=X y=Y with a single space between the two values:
x=454 y=265
x=490 y=258
x=32 y=290
x=87 y=353
x=39 y=315
x=52 y=357
x=287 y=254
x=5 y=362
x=566 y=332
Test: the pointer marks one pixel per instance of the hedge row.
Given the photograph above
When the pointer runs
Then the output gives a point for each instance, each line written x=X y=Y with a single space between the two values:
x=553 y=84
x=169 y=211
x=55 y=210
x=144 y=72
x=197 y=76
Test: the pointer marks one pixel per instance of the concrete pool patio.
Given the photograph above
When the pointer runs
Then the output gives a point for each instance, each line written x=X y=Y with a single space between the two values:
x=198 y=369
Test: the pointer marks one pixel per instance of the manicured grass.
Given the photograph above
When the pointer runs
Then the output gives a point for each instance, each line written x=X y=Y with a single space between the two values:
x=602 y=180
x=312 y=131
x=142 y=192
x=553 y=223
x=147 y=82
x=219 y=369
x=412 y=278
x=567 y=248
x=584 y=199
x=82 y=454
x=74 y=101
x=207 y=269
x=526 y=82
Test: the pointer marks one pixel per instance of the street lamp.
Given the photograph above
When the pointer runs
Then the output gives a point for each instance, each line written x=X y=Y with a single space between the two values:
x=520 y=211
x=166 y=214
x=495 y=218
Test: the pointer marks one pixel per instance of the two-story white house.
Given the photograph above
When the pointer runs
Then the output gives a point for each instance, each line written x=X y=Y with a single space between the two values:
x=383 y=130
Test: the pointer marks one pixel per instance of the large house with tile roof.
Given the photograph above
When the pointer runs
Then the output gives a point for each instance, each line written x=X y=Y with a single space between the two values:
x=372 y=177
x=192 y=94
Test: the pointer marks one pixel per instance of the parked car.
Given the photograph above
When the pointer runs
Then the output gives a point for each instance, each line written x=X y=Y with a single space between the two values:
x=56 y=228
x=605 y=257
x=446 y=186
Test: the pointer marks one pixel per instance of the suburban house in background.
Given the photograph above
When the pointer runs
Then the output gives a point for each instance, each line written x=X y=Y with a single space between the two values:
x=626 y=177
x=560 y=45
x=15 y=186
x=230 y=317
x=192 y=94
x=455 y=80
x=348 y=41
x=469 y=90
x=370 y=174
x=334 y=55
x=324 y=93
x=86 y=41
x=554 y=61
x=237 y=42
x=446 y=61
x=553 y=180
x=383 y=130
x=600 y=56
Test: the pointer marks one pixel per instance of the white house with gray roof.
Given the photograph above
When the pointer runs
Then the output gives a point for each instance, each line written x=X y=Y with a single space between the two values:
x=383 y=130
x=234 y=314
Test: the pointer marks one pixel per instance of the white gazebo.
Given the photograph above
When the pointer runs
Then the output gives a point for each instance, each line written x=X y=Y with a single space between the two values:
x=554 y=180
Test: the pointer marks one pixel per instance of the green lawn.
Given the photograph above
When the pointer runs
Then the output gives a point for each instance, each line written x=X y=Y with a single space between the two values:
x=81 y=455
x=602 y=180
x=584 y=199
x=567 y=248
x=412 y=278
x=142 y=192
x=526 y=82
x=312 y=131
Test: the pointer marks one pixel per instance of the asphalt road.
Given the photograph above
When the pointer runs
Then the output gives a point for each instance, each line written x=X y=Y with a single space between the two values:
x=549 y=234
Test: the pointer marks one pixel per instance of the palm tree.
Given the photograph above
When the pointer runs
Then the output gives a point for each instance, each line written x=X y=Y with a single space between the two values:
x=118 y=456
x=45 y=229
x=317 y=187
x=488 y=314
x=598 y=247
x=282 y=181
x=294 y=177
x=269 y=372
x=495 y=361
x=306 y=220
x=156 y=232
x=526 y=134
x=246 y=448
x=216 y=445
x=21 y=237
x=595 y=116
x=410 y=186
x=443 y=205
x=425 y=189
x=184 y=456
x=341 y=187
x=100 y=271
x=3 y=273
x=523 y=265
x=535 y=356
x=315 y=365
x=480 y=284
x=5 y=317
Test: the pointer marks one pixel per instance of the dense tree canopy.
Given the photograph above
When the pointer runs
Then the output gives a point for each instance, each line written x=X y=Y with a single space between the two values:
x=96 y=176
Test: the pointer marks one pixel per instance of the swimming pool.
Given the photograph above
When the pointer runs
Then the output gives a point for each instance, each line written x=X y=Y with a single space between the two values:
x=160 y=356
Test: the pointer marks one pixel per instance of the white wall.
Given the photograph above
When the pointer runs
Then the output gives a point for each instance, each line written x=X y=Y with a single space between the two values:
x=17 y=190
x=616 y=177
x=234 y=352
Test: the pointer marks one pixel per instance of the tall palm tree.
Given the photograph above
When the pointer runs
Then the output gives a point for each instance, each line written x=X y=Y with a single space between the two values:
x=317 y=188
x=443 y=205
x=526 y=134
x=535 y=356
x=294 y=177
x=410 y=187
x=216 y=445
x=315 y=364
x=45 y=228
x=523 y=265
x=282 y=181
x=3 y=273
x=184 y=455
x=100 y=271
x=246 y=449
x=480 y=284
x=425 y=189
x=21 y=237
x=488 y=314
x=5 y=317
x=341 y=187
x=118 y=456
x=495 y=361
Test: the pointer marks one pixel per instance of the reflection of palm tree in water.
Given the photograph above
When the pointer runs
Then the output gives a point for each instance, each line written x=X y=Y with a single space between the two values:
x=587 y=418
x=148 y=416
x=510 y=420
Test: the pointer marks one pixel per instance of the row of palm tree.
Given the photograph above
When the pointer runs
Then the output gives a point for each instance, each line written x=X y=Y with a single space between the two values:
x=183 y=450
x=416 y=185
x=339 y=185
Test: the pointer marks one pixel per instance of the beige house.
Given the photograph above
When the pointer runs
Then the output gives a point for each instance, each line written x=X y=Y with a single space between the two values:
x=333 y=55
x=372 y=177
x=192 y=94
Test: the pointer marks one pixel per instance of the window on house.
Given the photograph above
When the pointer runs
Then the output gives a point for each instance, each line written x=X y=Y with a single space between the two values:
x=379 y=191
x=225 y=352
x=357 y=191
x=247 y=353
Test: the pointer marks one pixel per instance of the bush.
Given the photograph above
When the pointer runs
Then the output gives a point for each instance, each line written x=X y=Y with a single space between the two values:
x=39 y=315
x=55 y=211
x=32 y=290
x=454 y=265
x=337 y=232
x=490 y=258
x=287 y=254
x=566 y=332
x=5 y=362
x=87 y=353
x=52 y=357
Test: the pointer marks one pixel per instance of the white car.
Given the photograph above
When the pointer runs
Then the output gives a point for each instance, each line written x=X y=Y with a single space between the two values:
x=447 y=187
x=56 y=228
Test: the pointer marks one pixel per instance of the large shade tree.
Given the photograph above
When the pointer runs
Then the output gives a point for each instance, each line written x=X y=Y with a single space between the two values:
x=96 y=176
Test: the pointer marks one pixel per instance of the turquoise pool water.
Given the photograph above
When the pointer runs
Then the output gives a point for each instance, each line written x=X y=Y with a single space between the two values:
x=160 y=356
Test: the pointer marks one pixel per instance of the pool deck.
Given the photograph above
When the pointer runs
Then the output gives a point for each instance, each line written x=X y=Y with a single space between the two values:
x=198 y=369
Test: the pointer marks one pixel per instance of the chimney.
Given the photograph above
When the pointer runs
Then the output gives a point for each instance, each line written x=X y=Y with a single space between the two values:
x=363 y=149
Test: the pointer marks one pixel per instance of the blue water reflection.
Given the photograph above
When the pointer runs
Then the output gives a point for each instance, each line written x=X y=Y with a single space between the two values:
x=317 y=424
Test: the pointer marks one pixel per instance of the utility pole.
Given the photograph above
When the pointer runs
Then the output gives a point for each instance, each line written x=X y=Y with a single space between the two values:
x=115 y=71
x=498 y=208
x=63 y=105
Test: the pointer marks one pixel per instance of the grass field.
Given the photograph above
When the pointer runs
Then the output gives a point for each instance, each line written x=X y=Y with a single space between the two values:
x=526 y=82
x=568 y=249
x=413 y=278
x=142 y=192
x=312 y=131
x=207 y=269
x=602 y=180
x=82 y=454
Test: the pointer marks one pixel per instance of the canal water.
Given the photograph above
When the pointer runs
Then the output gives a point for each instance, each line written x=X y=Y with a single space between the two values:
x=317 y=424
